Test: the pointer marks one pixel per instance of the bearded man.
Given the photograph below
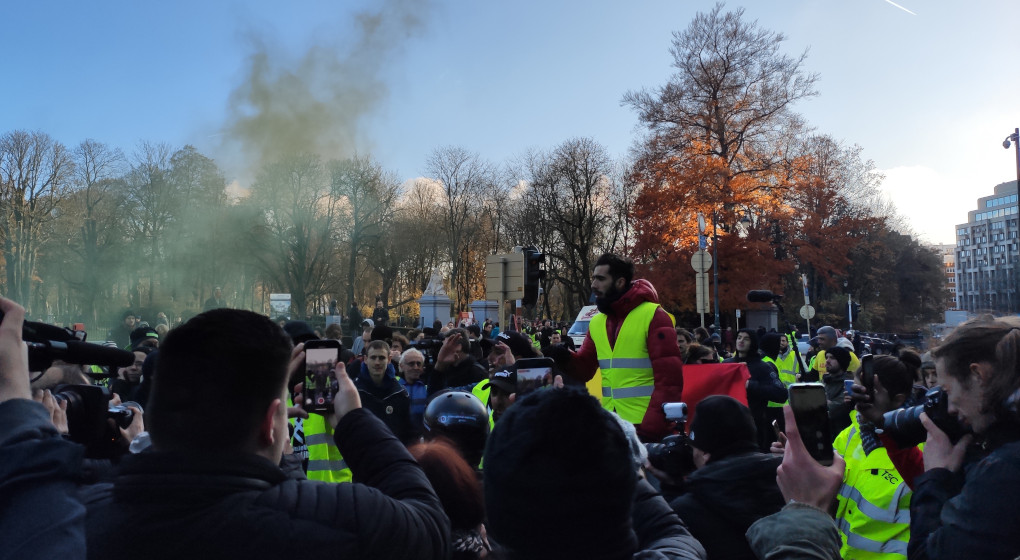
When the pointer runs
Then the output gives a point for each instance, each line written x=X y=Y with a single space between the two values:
x=633 y=341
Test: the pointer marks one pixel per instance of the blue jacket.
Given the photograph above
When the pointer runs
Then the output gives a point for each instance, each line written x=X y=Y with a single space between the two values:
x=40 y=517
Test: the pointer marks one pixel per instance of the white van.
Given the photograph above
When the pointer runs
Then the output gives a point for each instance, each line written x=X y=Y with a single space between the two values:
x=580 y=326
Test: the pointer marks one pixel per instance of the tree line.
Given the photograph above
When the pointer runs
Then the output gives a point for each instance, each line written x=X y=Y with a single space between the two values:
x=90 y=230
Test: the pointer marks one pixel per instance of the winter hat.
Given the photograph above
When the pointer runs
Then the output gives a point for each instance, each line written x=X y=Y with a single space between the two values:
x=769 y=344
x=382 y=333
x=557 y=459
x=723 y=426
x=841 y=354
x=142 y=334
x=299 y=331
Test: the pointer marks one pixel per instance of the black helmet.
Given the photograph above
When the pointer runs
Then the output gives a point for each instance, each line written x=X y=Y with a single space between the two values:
x=461 y=418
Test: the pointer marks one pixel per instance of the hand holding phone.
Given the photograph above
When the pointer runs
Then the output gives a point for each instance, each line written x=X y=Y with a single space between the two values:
x=811 y=411
x=800 y=477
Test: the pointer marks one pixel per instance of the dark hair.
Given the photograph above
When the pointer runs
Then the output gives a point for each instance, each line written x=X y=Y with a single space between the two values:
x=680 y=331
x=985 y=339
x=697 y=352
x=401 y=340
x=465 y=339
x=619 y=267
x=222 y=368
x=334 y=331
x=896 y=377
x=377 y=344
x=454 y=481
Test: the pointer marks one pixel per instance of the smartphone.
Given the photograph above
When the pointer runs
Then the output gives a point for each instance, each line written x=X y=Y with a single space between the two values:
x=320 y=383
x=810 y=409
x=775 y=430
x=532 y=374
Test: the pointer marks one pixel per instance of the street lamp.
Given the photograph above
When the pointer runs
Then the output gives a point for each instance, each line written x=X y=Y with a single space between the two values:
x=1015 y=137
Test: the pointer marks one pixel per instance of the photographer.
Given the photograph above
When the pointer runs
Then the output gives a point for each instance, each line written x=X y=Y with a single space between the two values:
x=967 y=506
x=39 y=518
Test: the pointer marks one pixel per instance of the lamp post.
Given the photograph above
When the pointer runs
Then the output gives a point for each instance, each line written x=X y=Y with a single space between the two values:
x=1015 y=137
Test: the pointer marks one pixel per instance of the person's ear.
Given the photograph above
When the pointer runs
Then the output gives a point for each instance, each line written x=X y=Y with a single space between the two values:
x=982 y=371
x=620 y=283
x=267 y=429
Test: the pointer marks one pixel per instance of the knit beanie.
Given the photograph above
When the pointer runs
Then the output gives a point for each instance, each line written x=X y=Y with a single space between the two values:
x=559 y=479
x=722 y=426
x=841 y=354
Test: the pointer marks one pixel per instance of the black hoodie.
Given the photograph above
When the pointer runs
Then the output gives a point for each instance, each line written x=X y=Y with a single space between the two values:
x=723 y=498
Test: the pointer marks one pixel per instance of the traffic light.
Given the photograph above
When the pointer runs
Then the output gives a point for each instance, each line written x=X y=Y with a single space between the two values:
x=534 y=272
x=855 y=310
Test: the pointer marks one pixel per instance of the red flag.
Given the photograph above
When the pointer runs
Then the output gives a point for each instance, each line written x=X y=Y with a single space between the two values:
x=703 y=380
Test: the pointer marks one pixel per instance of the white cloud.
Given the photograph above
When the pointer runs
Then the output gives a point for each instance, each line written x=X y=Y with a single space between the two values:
x=931 y=202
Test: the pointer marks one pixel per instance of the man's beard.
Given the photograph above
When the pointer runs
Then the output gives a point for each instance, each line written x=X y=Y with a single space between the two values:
x=605 y=303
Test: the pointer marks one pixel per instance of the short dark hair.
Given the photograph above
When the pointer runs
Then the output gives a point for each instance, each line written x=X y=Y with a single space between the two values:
x=465 y=339
x=377 y=344
x=222 y=368
x=619 y=267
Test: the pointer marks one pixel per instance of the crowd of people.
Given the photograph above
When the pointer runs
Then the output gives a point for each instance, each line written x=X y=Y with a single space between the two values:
x=433 y=447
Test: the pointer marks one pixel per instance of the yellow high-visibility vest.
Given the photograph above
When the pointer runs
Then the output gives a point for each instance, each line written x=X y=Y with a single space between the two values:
x=781 y=378
x=627 y=380
x=324 y=459
x=873 y=511
x=787 y=373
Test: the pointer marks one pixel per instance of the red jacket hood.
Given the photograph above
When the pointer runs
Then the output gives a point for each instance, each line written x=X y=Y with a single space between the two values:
x=640 y=291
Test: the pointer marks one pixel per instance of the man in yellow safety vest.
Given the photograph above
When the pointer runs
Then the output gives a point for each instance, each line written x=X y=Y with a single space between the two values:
x=633 y=341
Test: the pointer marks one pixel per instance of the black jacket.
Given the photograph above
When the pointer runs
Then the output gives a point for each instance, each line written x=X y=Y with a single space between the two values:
x=725 y=497
x=389 y=402
x=467 y=372
x=763 y=386
x=953 y=515
x=166 y=505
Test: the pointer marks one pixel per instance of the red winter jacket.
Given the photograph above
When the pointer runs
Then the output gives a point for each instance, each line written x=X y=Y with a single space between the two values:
x=667 y=362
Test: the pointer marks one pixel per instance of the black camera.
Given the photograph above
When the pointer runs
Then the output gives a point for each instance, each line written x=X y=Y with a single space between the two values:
x=429 y=348
x=904 y=424
x=674 y=455
x=92 y=421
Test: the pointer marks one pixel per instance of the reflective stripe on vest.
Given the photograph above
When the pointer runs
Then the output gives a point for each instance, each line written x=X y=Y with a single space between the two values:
x=784 y=375
x=627 y=380
x=324 y=460
x=873 y=504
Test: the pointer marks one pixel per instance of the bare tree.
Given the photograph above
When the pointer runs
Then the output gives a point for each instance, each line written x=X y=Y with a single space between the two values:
x=366 y=196
x=93 y=237
x=35 y=173
x=292 y=241
x=569 y=195
x=465 y=180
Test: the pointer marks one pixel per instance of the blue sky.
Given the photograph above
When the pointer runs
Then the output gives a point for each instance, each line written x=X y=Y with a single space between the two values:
x=929 y=95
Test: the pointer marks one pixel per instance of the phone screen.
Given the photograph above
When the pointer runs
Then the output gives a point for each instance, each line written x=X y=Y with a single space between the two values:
x=810 y=409
x=532 y=374
x=320 y=384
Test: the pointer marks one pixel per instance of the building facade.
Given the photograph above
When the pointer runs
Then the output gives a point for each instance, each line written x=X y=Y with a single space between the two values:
x=987 y=254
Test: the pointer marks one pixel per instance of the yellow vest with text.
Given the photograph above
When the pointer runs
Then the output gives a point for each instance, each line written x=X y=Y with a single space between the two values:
x=324 y=460
x=627 y=380
x=873 y=510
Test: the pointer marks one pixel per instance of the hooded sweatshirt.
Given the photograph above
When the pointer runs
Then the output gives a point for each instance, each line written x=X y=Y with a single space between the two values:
x=725 y=497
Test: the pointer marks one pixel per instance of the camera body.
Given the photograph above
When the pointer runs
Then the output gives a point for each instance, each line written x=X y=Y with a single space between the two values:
x=904 y=424
x=89 y=416
x=674 y=455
